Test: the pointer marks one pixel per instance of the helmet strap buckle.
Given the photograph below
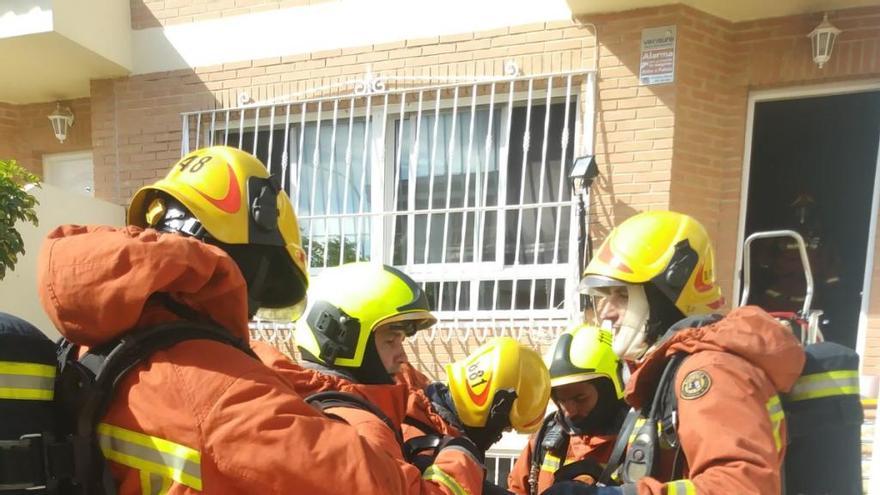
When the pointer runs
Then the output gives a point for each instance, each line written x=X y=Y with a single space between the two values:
x=335 y=331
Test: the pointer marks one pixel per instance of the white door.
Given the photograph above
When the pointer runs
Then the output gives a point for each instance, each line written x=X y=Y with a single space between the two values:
x=73 y=172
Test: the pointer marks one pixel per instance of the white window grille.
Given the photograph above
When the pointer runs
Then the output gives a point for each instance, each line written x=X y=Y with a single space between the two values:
x=460 y=182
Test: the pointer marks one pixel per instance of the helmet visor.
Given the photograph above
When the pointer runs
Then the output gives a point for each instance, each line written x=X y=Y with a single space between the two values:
x=591 y=283
x=409 y=323
x=285 y=314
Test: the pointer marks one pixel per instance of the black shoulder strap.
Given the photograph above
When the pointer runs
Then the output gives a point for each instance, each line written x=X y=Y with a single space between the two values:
x=538 y=450
x=415 y=446
x=425 y=427
x=642 y=453
x=331 y=399
x=86 y=385
x=616 y=458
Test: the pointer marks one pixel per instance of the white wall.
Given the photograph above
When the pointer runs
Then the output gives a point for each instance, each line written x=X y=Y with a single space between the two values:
x=101 y=26
x=18 y=291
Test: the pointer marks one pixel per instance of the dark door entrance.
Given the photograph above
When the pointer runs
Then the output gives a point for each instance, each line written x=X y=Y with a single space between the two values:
x=812 y=170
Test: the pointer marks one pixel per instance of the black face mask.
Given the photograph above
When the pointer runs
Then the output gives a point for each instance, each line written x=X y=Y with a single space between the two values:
x=602 y=419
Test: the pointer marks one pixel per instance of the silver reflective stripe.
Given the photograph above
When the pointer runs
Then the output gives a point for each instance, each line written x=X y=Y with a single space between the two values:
x=24 y=381
x=154 y=484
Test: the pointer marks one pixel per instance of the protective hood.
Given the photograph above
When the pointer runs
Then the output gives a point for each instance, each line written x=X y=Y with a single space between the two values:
x=97 y=282
x=748 y=332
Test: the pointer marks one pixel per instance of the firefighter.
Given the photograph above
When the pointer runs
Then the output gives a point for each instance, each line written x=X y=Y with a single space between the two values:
x=726 y=432
x=352 y=333
x=211 y=242
x=502 y=385
x=358 y=316
x=576 y=440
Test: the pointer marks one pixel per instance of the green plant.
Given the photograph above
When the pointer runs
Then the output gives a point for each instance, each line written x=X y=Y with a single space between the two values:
x=15 y=205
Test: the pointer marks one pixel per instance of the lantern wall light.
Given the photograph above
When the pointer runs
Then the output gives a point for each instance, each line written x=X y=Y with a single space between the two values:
x=822 y=39
x=61 y=119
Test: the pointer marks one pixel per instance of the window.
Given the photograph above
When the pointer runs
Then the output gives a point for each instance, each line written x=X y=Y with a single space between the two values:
x=462 y=186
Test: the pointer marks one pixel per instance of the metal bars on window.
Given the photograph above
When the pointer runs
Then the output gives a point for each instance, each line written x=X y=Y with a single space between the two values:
x=461 y=183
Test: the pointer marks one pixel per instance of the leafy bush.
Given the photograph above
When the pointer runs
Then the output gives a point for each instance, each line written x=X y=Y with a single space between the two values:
x=15 y=205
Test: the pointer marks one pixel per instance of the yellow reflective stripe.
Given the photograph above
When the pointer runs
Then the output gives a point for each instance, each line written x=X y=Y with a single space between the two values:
x=26 y=381
x=777 y=414
x=151 y=454
x=434 y=473
x=26 y=394
x=26 y=369
x=551 y=463
x=681 y=487
x=828 y=384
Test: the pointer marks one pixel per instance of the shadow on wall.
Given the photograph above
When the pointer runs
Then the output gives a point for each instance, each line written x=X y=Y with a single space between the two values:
x=631 y=122
x=136 y=120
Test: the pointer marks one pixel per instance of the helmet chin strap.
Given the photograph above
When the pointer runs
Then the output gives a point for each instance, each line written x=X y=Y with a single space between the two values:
x=630 y=340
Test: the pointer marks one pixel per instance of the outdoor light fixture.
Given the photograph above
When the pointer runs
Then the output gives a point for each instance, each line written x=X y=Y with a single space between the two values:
x=61 y=119
x=583 y=171
x=823 y=38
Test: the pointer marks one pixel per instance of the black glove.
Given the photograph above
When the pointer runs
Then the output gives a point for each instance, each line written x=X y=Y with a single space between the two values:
x=499 y=420
x=578 y=488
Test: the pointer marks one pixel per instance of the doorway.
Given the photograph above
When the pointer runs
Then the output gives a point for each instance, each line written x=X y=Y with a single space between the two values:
x=812 y=168
x=73 y=172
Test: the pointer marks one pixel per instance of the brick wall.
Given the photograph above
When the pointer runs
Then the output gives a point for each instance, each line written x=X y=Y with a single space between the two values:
x=136 y=128
x=677 y=145
x=136 y=123
x=26 y=134
x=634 y=124
x=153 y=13
x=9 y=139
x=708 y=131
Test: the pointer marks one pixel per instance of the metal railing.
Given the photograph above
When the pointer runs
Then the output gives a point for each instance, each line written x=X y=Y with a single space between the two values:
x=459 y=181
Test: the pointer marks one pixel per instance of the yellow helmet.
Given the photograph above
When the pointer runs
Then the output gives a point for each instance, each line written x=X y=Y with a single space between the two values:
x=346 y=305
x=581 y=353
x=228 y=198
x=669 y=250
x=498 y=367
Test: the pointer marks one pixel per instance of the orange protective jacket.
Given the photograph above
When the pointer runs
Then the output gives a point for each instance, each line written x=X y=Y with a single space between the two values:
x=595 y=447
x=453 y=470
x=200 y=416
x=730 y=422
